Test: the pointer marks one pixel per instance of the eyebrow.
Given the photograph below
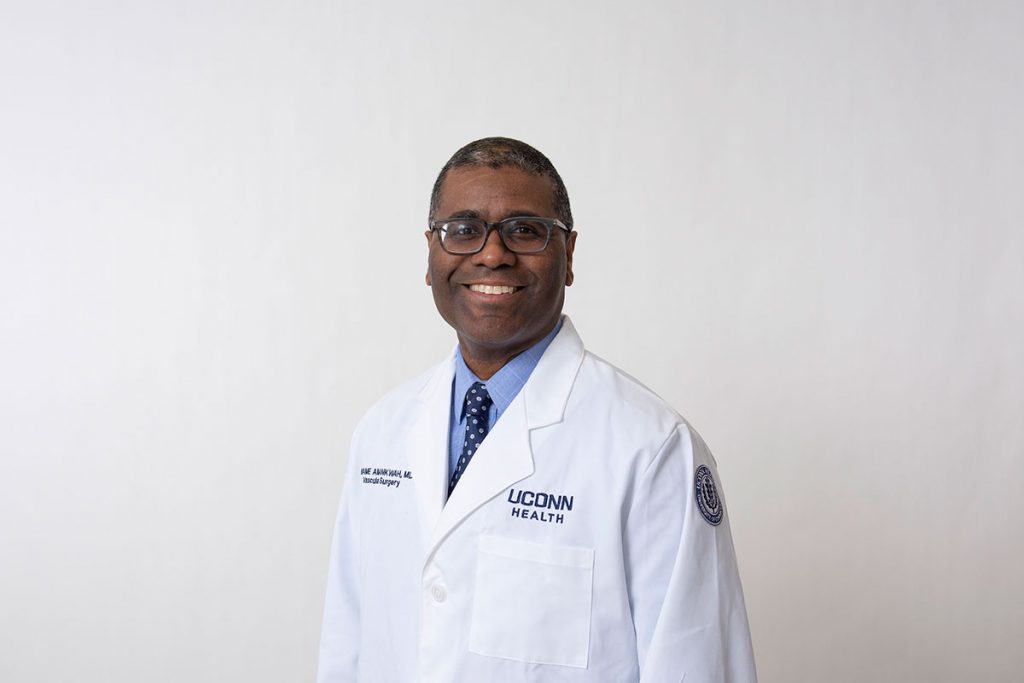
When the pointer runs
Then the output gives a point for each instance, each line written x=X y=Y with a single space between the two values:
x=469 y=213
x=514 y=213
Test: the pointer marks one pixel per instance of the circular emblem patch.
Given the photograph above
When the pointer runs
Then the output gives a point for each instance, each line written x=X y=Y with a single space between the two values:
x=708 y=502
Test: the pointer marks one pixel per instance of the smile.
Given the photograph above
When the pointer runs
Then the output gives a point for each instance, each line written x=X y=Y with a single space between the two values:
x=492 y=289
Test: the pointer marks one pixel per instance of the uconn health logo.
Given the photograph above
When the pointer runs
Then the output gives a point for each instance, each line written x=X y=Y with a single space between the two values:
x=539 y=506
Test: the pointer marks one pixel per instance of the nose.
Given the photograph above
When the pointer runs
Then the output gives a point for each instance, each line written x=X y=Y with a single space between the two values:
x=495 y=253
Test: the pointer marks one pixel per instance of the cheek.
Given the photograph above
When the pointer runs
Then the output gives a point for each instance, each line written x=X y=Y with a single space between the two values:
x=556 y=275
x=439 y=278
x=435 y=270
x=441 y=268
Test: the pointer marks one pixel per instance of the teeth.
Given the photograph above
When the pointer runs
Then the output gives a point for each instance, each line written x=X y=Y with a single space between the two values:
x=492 y=289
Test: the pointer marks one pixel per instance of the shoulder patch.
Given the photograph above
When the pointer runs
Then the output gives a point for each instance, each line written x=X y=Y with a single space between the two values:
x=706 y=494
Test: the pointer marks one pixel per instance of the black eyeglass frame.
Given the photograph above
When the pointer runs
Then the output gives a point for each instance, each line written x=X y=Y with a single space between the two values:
x=438 y=227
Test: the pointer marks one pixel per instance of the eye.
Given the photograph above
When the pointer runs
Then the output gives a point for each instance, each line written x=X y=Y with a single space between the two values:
x=526 y=230
x=463 y=229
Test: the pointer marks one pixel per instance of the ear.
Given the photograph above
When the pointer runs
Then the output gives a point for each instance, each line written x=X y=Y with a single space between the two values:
x=570 y=245
x=427 y=234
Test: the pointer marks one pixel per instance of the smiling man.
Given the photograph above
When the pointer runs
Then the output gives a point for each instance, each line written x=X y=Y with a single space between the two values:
x=526 y=511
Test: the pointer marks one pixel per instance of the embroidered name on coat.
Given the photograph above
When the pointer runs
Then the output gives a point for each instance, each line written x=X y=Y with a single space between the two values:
x=384 y=476
x=539 y=506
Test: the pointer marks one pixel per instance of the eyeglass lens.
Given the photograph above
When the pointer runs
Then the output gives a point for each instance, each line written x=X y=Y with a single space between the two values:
x=523 y=236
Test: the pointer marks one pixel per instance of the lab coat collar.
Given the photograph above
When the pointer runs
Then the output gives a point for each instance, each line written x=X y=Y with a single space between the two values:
x=504 y=457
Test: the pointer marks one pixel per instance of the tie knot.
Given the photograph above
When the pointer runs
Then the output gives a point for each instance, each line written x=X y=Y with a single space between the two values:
x=478 y=401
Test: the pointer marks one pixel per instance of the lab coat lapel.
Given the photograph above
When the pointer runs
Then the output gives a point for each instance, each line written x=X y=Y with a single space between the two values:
x=501 y=460
x=547 y=391
x=505 y=457
x=428 y=447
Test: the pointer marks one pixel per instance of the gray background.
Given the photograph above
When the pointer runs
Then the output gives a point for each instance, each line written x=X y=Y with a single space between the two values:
x=800 y=222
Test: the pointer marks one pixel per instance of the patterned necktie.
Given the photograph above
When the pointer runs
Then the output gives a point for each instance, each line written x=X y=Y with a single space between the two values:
x=478 y=403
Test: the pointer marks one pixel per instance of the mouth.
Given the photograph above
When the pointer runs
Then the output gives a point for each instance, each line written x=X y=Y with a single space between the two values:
x=494 y=290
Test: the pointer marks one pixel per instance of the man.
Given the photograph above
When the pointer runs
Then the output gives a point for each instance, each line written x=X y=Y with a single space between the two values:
x=525 y=511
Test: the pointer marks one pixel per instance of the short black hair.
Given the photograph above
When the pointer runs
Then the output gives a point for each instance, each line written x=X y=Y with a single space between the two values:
x=499 y=152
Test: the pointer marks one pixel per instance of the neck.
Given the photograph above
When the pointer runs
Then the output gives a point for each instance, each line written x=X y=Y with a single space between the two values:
x=484 y=359
x=485 y=365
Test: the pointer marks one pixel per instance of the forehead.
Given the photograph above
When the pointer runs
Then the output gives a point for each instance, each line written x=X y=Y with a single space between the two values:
x=495 y=193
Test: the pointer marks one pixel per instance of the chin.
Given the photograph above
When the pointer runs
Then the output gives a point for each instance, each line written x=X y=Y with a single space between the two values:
x=504 y=334
x=493 y=339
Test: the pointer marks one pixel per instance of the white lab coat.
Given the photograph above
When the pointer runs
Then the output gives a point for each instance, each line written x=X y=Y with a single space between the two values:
x=573 y=548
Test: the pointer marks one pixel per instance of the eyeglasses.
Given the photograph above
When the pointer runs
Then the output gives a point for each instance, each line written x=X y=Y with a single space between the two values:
x=519 y=234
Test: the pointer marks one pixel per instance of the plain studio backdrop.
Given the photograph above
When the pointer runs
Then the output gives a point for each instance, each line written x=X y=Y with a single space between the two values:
x=799 y=222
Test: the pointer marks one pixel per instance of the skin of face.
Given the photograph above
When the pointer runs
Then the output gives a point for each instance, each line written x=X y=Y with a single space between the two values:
x=493 y=328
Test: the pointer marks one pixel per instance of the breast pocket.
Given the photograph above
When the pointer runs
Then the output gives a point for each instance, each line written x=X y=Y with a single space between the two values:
x=532 y=602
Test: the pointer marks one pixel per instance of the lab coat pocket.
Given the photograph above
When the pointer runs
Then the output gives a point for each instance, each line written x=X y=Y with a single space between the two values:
x=532 y=602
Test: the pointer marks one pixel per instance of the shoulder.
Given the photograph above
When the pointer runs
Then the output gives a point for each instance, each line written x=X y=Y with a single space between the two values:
x=602 y=380
x=630 y=406
x=402 y=401
x=402 y=395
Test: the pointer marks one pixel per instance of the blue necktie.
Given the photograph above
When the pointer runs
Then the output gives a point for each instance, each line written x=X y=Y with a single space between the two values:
x=475 y=409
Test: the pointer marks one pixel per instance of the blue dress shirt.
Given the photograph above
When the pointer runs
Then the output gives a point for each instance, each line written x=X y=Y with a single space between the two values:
x=503 y=386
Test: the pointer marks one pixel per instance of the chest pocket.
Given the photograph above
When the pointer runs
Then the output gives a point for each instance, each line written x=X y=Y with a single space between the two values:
x=532 y=602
